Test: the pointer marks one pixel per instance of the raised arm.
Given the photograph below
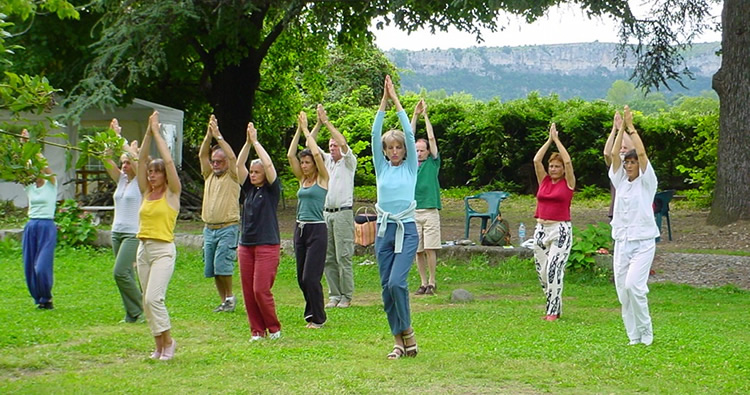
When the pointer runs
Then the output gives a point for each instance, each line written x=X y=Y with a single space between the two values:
x=570 y=176
x=616 y=125
x=173 y=179
x=538 y=165
x=228 y=151
x=411 y=159
x=430 y=134
x=418 y=110
x=291 y=155
x=320 y=163
x=142 y=171
x=131 y=150
x=392 y=93
x=265 y=159
x=636 y=139
x=335 y=134
x=242 y=158
x=204 y=154
x=317 y=127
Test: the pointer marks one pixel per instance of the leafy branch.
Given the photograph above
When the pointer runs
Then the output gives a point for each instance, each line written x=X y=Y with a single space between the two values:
x=24 y=162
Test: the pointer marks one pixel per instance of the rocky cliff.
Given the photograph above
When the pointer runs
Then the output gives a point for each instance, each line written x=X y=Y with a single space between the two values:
x=586 y=70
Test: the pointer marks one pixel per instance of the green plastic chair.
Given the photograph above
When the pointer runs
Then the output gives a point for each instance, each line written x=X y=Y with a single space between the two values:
x=493 y=200
x=661 y=210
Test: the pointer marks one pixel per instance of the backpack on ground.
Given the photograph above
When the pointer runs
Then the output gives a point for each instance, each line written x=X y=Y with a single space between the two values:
x=497 y=234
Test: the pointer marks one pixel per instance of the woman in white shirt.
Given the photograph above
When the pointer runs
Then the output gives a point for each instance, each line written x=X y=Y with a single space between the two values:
x=127 y=198
x=634 y=231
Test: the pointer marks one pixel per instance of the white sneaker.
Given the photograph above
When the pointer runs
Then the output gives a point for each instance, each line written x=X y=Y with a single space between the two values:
x=274 y=335
x=256 y=339
x=332 y=303
x=229 y=304
x=647 y=337
x=634 y=342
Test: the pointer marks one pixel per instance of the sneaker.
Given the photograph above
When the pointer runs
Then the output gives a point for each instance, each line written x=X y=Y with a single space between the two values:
x=422 y=289
x=312 y=325
x=332 y=303
x=344 y=304
x=256 y=338
x=45 y=306
x=168 y=353
x=634 y=342
x=274 y=335
x=155 y=355
x=230 y=304
x=130 y=320
x=430 y=290
x=220 y=308
x=647 y=337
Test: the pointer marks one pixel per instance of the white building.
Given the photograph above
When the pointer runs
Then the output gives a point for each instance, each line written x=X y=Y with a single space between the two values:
x=133 y=119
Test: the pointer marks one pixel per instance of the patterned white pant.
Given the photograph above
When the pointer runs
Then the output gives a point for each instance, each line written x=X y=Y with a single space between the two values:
x=551 y=250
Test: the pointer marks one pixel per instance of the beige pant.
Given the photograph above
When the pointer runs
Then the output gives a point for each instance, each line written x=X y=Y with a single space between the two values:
x=428 y=229
x=155 y=260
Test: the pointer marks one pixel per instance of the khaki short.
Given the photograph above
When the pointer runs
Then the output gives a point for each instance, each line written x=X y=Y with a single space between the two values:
x=428 y=228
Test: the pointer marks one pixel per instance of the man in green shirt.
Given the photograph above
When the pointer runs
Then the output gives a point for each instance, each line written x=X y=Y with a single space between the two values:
x=427 y=195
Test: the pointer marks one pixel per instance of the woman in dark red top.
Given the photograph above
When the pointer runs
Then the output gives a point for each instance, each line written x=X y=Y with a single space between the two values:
x=553 y=235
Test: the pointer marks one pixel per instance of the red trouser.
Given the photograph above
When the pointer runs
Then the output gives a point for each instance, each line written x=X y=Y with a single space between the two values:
x=258 y=266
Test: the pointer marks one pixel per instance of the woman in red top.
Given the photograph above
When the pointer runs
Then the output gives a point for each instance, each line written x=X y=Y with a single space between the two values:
x=553 y=235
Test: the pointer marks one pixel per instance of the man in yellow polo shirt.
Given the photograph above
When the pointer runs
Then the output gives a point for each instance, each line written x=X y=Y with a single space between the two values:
x=221 y=213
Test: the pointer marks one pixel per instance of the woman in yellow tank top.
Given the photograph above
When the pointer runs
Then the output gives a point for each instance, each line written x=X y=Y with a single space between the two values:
x=160 y=186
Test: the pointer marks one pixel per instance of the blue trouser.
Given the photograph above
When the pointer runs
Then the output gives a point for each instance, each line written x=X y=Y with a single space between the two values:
x=394 y=270
x=39 y=240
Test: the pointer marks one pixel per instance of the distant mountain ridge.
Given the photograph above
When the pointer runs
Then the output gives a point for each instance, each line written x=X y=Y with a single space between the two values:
x=586 y=70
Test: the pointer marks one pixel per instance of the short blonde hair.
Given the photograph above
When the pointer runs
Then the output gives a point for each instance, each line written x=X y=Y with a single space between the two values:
x=391 y=136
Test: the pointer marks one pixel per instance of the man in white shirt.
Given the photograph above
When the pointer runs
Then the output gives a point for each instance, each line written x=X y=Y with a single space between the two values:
x=341 y=164
x=634 y=231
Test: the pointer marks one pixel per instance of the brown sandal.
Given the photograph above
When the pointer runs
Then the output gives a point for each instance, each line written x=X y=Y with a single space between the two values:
x=398 y=352
x=411 y=349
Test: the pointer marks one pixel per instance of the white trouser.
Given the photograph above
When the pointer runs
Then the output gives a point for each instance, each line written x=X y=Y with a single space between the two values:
x=632 y=264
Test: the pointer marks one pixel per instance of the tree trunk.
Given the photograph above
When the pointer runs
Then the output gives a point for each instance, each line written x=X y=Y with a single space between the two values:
x=732 y=82
x=232 y=96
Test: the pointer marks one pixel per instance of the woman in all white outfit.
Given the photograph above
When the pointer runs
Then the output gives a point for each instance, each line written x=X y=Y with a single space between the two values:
x=634 y=231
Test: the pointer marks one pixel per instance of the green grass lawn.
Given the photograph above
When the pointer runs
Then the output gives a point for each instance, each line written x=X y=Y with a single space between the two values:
x=497 y=344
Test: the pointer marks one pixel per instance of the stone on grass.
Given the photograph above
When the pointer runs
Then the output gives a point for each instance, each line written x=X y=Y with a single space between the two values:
x=461 y=296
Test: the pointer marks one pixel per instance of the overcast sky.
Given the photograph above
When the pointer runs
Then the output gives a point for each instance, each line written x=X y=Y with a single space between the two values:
x=562 y=25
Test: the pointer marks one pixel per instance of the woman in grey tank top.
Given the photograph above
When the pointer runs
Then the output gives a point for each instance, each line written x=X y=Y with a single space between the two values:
x=310 y=234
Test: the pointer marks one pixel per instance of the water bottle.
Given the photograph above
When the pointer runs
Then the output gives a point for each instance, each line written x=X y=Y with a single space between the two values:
x=521 y=233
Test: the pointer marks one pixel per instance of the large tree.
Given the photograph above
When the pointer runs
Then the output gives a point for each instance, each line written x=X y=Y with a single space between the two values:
x=221 y=47
x=732 y=83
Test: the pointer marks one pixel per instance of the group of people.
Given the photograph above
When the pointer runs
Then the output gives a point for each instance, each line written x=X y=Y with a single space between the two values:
x=633 y=186
x=147 y=201
x=324 y=231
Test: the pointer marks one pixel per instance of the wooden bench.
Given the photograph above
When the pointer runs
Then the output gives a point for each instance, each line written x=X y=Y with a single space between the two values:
x=97 y=212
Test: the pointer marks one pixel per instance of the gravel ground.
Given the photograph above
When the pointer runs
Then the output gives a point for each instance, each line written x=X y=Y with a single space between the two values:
x=703 y=270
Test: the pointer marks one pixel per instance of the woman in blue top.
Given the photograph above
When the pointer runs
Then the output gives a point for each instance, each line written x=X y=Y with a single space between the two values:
x=40 y=236
x=397 y=238
x=127 y=198
x=310 y=234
